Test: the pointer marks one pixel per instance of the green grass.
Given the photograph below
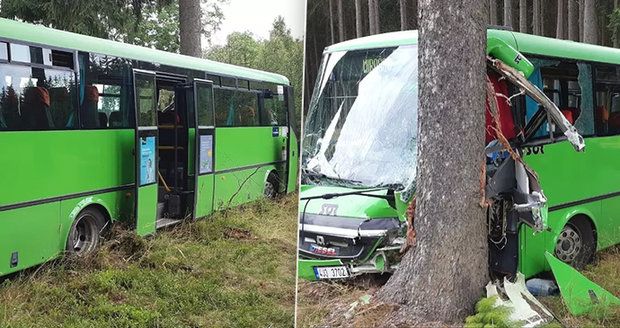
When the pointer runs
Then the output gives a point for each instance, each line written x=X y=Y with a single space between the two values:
x=235 y=269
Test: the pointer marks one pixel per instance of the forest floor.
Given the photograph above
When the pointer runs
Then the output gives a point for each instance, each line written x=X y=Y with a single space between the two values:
x=234 y=269
x=322 y=304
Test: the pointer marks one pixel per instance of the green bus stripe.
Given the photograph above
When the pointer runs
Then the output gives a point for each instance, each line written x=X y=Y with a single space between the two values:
x=583 y=201
x=241 y=168
x=64 y=197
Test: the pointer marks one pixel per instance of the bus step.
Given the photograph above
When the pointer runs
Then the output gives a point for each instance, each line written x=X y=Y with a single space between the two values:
x=161 y=223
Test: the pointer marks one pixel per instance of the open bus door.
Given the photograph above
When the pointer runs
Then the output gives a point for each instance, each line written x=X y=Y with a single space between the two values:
x=145 y=95
x=293 y=146
x=204 y=149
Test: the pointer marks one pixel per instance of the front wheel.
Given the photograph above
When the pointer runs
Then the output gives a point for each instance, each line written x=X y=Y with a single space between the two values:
x=576 y=243
x=270 y=190
x=85 y=234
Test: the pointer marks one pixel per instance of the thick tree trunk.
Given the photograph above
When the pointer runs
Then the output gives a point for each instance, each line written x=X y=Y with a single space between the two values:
x=359 y=24
x=404 y=18
x=560 y=30
x=331 y=22
x=341 y=35
x=573 y=20
x=443 y=276
x=492 y=12
x=590 y=22
x=190 y=27
x=523 y=16
x=508 y=13
x=536 y=21
x=581 y=19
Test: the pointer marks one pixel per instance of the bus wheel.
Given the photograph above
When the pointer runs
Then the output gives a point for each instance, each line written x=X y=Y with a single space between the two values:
x=270 y=187
x=84 y=236
x=576 y=244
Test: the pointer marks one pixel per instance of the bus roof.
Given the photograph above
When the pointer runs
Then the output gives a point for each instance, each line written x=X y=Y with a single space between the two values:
x=38 y=34
x=525 y=43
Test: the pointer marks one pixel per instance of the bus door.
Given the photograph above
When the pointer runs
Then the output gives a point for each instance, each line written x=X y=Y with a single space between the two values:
x=204 y=151
x=292 y=147
x=146 y=207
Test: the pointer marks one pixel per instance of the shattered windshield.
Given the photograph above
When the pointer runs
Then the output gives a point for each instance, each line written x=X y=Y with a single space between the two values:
x=361 y=126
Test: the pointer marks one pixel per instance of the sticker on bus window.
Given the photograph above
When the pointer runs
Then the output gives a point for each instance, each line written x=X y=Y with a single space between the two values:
x=206 y=154
x=147 y=160
x=275 y=131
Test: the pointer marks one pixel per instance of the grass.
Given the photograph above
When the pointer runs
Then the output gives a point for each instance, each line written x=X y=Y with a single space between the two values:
x=235 y=269
x=325 y=303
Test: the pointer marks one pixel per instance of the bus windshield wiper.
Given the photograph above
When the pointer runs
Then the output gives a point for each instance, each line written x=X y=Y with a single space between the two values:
x=389 y=196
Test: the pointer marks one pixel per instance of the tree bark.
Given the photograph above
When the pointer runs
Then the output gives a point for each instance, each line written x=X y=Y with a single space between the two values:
x=523 y=16
x=573 y=20
x=377 y=12
x=331 y=21
x=581 y=19
x=190 y=27
x=443 y=276
x=371 y=17
x=508 y=13
x=341 y=35
x=492 y=12
x=616 y=35
x=404 y=18
x=359 y=30
x=560 y=30
x=536 y=22
x=590 y=22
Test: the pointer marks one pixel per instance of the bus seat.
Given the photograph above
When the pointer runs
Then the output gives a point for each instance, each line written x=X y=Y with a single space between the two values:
x=60 y=105
x=103 y=120
x=505 y=113
x=90 y=107
x=571 y=114
x=614 y=122
x=116 y=119
x=35 y=111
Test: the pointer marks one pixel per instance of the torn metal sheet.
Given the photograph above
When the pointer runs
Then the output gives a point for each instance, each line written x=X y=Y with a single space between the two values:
x=579 y=293
x=525 y=308
x=535 y=93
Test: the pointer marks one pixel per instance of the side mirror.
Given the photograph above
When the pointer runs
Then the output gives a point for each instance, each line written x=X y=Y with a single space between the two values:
x=510 y=56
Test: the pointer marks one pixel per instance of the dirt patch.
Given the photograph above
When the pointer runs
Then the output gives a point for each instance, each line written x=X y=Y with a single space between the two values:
x=239 y=234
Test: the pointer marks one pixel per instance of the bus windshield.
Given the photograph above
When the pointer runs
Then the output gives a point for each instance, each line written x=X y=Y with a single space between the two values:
x=361 y=127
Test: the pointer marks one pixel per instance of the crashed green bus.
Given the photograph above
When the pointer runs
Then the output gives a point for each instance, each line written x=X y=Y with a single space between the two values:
x=551 y=177
x=94 y=132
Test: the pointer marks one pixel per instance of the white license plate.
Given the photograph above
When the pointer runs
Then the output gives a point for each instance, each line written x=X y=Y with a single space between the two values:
x=331 y=272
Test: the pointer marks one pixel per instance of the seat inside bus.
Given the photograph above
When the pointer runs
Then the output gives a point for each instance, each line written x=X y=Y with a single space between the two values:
x=506 y=117
x=35 y=111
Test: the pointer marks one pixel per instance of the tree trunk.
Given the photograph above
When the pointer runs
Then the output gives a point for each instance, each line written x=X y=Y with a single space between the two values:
x=190 y=27
x=536 y=22
x=581 y=19
x=560 y=31
x=404 y=19
x=341 y=35
x=371 y=17
x=358 y=19
x=377 y=12
x=443 y=276
x=508 y=13
x=331 y=21
x=573 y=20
x=492 y=12
x=616 y=35
x=590 y=22
x=523 y=16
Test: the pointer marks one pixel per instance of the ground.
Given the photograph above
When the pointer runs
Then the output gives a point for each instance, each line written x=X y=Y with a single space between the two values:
x=326 y=303
x=235 y=269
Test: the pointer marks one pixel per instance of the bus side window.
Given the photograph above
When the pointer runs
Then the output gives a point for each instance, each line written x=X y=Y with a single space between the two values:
x=236 y=107
x=607 y=89
x=106 y=92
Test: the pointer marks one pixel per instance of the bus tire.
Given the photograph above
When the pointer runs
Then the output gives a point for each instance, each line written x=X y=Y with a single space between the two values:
x=85 y=233
x=271 y=189
x=576 y=244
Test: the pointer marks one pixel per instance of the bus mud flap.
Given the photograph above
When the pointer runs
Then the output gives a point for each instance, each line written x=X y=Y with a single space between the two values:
x=579 y=293
x=524 y=307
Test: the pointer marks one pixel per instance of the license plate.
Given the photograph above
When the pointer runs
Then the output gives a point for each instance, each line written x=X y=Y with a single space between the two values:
x=331 y=272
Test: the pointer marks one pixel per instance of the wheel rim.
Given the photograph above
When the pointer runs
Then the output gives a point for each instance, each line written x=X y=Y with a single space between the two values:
x=85 y=235
x=569 y=244
x=270 y=190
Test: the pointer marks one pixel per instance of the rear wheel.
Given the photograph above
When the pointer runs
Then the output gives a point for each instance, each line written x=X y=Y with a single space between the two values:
x=576 y=243
x=85 y=234
x=271 y=190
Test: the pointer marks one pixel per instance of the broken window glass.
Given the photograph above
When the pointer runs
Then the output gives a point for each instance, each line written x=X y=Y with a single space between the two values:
x=362 y=123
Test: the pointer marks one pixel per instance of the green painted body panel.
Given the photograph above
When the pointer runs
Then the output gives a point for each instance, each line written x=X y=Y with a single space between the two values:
x=353 y=206
x=239 y=147
x=305 y=267
x=242 y=186
x=293 y=163
x=64 y=162
x=147 y=210
x=46 y=36
x=204 y=203
x=39 y=233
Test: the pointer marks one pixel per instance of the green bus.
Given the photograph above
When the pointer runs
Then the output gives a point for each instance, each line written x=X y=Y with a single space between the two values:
x=359 y=154
x=94 y=131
